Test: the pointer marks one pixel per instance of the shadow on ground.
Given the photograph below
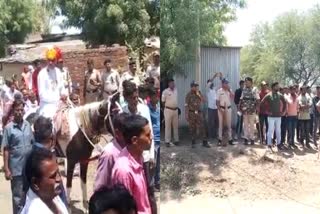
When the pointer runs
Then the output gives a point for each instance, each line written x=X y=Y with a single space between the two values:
x=185 y=169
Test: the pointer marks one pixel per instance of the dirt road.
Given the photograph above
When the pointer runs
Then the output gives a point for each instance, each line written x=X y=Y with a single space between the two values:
x=239 y=179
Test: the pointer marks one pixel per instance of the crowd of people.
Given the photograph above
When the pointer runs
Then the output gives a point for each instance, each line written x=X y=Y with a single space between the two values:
x=275 y=115
x=128 y=171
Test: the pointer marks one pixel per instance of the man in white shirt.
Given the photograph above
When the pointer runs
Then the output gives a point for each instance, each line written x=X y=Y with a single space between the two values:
x=65 y=75
x=7 y=95
x=110 y=80
x=213 y=119
x=51 y=87
x=130 y=75
x=170 y=102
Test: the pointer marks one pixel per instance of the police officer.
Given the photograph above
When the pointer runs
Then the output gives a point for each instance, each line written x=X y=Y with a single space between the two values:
x=193 y=113
x=224 y=97
x=249 y=104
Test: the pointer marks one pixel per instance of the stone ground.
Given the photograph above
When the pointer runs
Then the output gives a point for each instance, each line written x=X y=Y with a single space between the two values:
x=239 y=179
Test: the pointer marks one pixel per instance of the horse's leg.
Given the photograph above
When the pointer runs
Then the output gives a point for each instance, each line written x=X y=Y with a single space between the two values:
x=83 y=178
x=70 y=167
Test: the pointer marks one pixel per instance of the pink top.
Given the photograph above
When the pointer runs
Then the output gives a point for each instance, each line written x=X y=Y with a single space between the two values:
x=129 y=172
x=292 y=105
x=105 y=165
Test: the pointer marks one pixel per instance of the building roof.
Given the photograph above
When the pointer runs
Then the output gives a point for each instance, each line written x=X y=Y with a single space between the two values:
x=27 y=53
x=221 y=47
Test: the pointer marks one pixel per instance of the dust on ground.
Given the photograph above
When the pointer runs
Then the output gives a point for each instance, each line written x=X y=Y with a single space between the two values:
x=239 y=179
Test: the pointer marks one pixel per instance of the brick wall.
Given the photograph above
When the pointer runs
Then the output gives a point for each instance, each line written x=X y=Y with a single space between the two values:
x=76 y=62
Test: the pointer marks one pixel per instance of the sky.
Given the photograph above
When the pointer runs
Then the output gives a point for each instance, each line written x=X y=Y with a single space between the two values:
x=238 y=32
x=55 y=29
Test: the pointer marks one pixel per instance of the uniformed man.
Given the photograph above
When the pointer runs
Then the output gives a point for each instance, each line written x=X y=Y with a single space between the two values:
x=131 y=74
x=110 y=80
x=224 y=97
x=92 y=83
x=170 y=102
x=194 y=115
x=249 y=104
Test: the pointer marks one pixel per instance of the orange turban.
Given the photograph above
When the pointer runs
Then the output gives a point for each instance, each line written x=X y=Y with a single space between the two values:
x=59 y=53
x=51 y=54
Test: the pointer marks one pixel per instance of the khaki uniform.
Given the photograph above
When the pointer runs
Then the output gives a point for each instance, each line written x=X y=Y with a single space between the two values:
x=91 y=91
x=170 y=100
x=110 y=83
x=129 y=76
x=225 y=113
x=193 y=102
x=248 y=104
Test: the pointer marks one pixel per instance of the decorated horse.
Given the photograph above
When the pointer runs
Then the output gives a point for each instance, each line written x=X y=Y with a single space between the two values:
x=77 y=134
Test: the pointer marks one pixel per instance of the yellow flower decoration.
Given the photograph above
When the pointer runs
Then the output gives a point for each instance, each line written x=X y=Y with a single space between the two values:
x=51 y=54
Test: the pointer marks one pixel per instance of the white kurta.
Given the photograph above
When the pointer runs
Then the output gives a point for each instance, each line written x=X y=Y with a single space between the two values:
x=51 y=87
x=35 y=205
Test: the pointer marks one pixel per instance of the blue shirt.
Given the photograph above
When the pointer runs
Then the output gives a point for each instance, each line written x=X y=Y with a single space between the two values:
x=19 y=142
x=155 y=119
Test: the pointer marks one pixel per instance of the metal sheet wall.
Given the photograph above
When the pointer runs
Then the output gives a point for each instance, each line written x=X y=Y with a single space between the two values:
x=221 y=59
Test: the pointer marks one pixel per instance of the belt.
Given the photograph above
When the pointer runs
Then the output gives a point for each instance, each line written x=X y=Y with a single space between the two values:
x=174 y=109
x=196 y=112
x=225 y=107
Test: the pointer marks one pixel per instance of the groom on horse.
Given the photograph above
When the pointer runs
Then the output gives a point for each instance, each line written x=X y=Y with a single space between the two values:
x=51 y=85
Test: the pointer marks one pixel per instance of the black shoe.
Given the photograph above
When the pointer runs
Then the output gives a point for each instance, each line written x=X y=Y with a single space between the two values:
x=270 y=147
x=168 y=144
x=245 y=142
x=176 y=143
x=206 y=144
x=193 y=144
x=316 y=144
x=308 y=145
x=252 y=142
x=219 y=142
x=231 y=142
x=280 y=147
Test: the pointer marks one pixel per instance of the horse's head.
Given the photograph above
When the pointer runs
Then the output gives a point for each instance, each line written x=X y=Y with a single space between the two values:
x=107 y=110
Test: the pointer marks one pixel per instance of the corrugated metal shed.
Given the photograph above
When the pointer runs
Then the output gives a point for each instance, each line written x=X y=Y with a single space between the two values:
x=213 y=59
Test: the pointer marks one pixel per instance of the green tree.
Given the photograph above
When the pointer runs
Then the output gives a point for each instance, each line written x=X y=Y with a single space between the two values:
x=286 y=50
x=183 y=21
x=114 y=21
x=17 y=19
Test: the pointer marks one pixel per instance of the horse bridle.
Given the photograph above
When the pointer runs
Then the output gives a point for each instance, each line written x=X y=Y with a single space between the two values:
x=109 y=111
